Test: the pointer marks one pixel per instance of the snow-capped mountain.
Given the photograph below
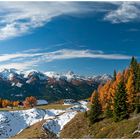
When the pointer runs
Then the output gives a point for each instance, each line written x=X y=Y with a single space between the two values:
x=66 y=76
x=34 y=73
x=102 y=78
x=72 y=76
x=51 y=85
x=10 y=74
x=52 y=74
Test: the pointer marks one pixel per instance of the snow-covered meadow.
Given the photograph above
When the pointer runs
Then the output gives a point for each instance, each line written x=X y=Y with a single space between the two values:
x=57 y=124
x=13 y=122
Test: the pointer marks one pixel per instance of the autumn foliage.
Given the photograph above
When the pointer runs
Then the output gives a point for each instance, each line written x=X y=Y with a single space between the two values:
x=4 y=103
x=15 y=103
x=30 y=101
x=130 y=78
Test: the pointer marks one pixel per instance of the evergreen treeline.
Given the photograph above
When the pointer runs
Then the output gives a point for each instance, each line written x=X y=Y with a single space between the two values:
x=118 y=97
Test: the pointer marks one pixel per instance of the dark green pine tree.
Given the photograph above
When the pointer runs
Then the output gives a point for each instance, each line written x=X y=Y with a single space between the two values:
x=108 y=112
x=114 y=75
x=0 y=103
x=95 y=109
x=134 y=66
x=137 y=105
x=138 y=79
x=120 y=106
x=137 y=100
x=133 y=62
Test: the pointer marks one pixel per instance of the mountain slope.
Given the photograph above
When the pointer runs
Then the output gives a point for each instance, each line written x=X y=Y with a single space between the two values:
x=35 y=132
x=79 y=127
x=52 y=86
x=23 y=119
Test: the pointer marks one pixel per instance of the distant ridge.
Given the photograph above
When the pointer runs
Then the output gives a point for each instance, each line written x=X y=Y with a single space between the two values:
x=15 y=84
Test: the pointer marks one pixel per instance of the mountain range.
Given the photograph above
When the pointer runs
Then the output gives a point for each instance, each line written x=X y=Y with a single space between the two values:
x=52 y=86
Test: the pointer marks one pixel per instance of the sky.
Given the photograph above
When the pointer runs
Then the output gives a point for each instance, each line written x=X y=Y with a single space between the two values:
x=89 y=38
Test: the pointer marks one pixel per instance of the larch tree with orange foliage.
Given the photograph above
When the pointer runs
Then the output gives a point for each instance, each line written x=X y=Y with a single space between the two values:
x=15 y=103
x=130 y=88
x=121 y=95
x=30 y=102
x=103 y=94
x=112 y=92
x=126 y=75
x=91 y=98
x=119 y=77
x=5 y=103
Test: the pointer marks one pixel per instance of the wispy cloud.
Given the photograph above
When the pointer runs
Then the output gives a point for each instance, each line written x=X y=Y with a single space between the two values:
x=6 y=57
x=70 y=54
x=18 y=18
x=125 y=12
x=33 y=59
x=19 y=65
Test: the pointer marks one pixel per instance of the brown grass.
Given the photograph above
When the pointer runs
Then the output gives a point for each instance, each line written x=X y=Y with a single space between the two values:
x=106 y=128
x=49 y=106
x=35 y=132
x=53 y=106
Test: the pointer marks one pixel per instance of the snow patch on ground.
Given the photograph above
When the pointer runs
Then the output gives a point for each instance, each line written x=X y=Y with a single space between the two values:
x=57 y=124
x=42 y=102
x=81 y=107
x=84 y=104
x=78 y=108
x=13 y=122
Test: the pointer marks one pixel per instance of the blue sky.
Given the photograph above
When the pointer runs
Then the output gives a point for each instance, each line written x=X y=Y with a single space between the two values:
x=85 y=37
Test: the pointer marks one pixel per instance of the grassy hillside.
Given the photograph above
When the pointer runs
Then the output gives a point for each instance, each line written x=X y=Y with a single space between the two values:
x=49 y=106
x=79 y=127
x=34 y=132
x=106 y=128
x=54 y=106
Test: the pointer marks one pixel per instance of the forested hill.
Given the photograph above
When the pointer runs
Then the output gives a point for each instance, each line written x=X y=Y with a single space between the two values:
x=118 y=98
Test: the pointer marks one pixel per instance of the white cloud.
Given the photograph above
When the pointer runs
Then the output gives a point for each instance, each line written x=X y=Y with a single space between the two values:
x=125 y=12
x=70 y=54
x=6 y=57
x=20 y=66
x=32 y=59
x=18 y=18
